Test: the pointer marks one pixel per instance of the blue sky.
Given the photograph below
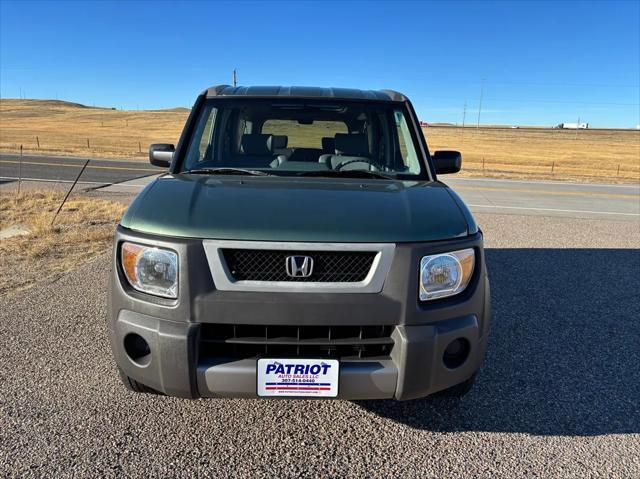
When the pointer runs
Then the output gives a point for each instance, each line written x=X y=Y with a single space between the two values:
x=543 y=62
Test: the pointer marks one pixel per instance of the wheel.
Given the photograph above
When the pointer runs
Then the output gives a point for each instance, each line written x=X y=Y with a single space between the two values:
x=459 y=390
x=135 y=386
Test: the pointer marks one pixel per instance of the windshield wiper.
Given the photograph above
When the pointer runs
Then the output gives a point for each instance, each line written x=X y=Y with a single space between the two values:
x=346 y=174
x=227 y=171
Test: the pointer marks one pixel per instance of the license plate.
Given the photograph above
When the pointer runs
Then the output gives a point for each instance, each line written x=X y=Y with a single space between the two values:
x=298 y=377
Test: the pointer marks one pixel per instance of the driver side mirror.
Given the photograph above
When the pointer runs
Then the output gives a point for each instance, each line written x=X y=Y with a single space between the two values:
x=446 y=161
x=161 y=154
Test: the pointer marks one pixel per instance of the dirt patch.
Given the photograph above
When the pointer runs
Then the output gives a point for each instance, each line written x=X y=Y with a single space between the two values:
x=83 y=229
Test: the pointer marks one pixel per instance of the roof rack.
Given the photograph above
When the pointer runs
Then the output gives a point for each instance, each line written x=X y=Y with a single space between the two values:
x=304 y=92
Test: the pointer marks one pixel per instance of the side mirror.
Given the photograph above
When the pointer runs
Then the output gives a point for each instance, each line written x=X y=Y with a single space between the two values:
x=447 y=161
x=161 y=154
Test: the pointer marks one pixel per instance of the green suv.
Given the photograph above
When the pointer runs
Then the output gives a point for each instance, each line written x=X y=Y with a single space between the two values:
x=300 y=245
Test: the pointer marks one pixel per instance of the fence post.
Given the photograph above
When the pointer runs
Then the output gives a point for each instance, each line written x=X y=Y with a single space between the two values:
x=618 y=173
x=139 y=147
x=553 y=166
x=483 y=162
x=38 y=142
x=88 y=147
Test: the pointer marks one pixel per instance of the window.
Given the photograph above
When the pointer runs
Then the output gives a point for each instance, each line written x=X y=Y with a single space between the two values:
x=405 y=143
x=298 y=136
x=198 y=151
x=301 y=135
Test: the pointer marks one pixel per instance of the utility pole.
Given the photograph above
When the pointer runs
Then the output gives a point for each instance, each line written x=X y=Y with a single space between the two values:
x=464 y=113
x=480 y=104
x=235 y=77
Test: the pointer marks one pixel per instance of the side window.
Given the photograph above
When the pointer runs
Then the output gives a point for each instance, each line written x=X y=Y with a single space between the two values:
x=405 y=143
x=202 y=139
x=207 y=134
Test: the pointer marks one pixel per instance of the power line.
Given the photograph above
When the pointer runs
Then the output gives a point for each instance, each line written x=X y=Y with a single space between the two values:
x=608 y=85
x=525 y=100
x=569 y=102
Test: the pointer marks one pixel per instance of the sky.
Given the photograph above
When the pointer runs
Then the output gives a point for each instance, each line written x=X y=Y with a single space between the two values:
x=533 y=63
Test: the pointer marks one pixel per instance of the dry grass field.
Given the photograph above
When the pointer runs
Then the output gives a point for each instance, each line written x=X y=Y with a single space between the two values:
x=61 y=128
x=83 y=229
x=54 y=127
x=610 y=155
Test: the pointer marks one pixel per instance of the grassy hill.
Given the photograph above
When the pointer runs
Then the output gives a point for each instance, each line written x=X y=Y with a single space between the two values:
x=58 y=127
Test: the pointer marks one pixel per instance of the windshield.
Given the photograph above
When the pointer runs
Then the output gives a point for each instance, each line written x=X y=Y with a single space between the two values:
x=304 y=137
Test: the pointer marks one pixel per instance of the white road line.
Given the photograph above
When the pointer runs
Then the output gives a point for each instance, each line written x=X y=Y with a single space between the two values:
x=554 y=209
x=541 y=182
x=132 y=185
x=48 y=180
x=121 y=185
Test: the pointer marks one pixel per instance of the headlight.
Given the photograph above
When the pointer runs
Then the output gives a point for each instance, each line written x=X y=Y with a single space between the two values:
x=151 y=270
x=445 y=274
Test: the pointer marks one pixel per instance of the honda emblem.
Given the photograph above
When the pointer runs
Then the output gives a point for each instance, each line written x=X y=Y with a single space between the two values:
x=299 y=266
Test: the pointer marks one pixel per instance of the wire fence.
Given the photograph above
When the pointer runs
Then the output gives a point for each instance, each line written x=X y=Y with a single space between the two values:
x=474 y=161
x=80 y=145
x=555 y=168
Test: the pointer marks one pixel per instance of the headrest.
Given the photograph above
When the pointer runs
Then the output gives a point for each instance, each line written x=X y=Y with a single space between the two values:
x=256 y=144
x=352 y=144
x=329 y=144
x=278 y=142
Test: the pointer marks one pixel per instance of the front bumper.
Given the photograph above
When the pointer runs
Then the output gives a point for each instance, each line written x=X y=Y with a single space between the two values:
x=413 y=369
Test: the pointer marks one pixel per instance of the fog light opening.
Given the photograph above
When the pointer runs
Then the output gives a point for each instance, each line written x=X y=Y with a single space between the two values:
x=456 y=353
x=137 y=349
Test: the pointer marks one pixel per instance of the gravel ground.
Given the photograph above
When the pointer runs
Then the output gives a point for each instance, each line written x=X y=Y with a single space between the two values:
x=557 y=396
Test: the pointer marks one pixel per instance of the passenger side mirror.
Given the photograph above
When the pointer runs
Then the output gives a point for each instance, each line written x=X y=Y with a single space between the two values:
x=161 y=154
x=446 y=161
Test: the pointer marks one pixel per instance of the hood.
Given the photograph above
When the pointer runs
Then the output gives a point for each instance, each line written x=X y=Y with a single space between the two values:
x=296 y=209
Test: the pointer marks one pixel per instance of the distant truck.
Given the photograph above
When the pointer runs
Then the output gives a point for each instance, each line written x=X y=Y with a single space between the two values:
x=573 y=126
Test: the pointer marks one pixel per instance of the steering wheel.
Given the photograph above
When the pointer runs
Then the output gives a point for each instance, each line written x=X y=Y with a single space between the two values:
x=349 y=162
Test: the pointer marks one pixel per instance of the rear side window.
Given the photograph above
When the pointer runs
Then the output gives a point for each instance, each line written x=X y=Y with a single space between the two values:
x=302 y=135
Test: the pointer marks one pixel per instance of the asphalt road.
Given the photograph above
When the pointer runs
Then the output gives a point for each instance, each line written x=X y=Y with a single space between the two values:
x=548 y=198
x=482 y=195
x=557 y=395
x=66 y=169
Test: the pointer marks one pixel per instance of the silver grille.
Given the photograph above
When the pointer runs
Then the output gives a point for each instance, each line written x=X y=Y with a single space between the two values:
x=261 y=266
